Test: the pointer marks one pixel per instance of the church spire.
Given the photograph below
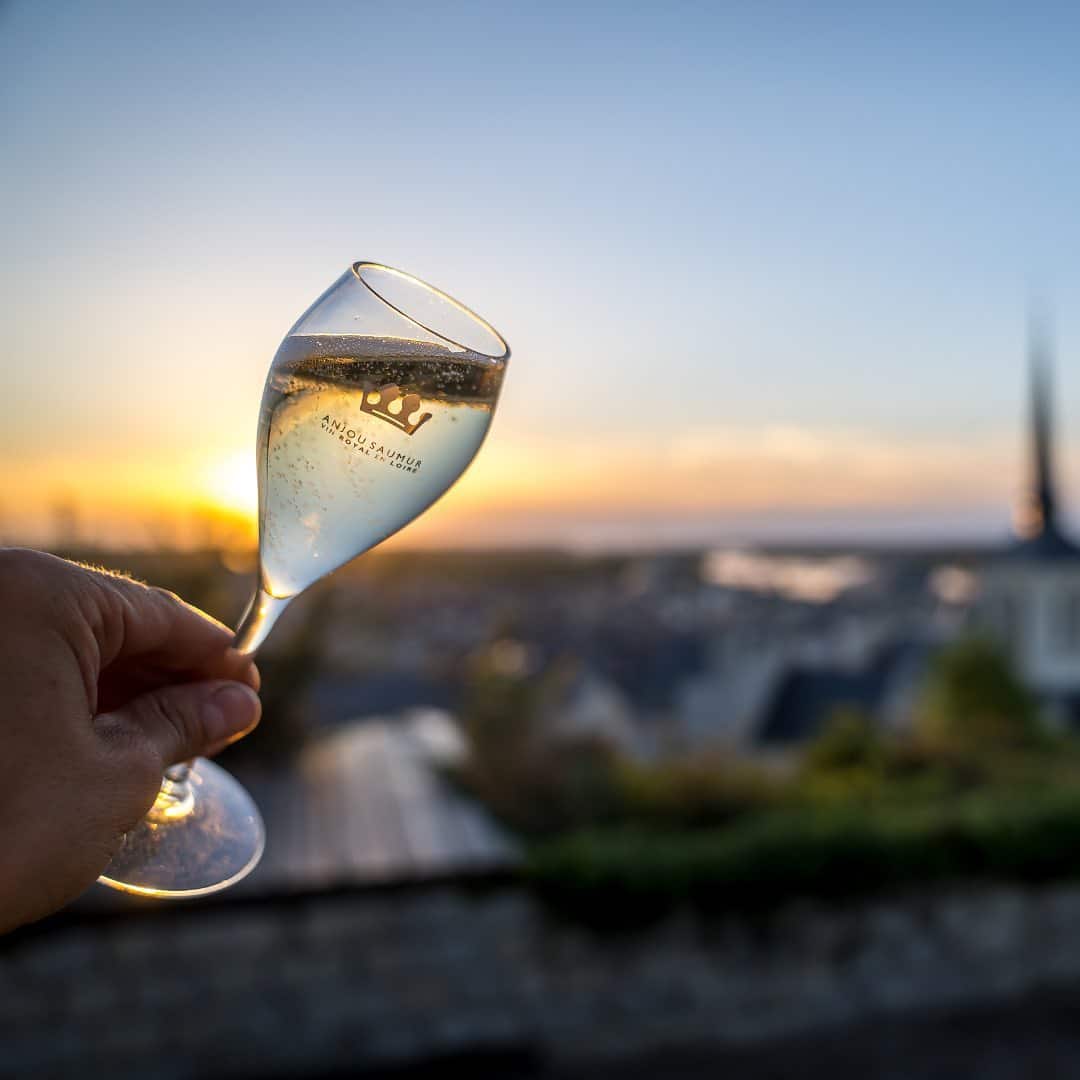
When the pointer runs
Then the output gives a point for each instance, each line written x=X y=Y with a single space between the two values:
x=1043 y=506
x=1037 y=523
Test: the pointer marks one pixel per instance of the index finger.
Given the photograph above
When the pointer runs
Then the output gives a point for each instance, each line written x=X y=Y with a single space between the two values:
x=156 y=628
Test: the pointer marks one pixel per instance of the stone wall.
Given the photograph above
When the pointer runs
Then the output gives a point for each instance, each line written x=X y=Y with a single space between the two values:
x=382 y=977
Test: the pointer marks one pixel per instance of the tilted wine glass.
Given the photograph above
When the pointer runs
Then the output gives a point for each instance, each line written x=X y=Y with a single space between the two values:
x=377 y=400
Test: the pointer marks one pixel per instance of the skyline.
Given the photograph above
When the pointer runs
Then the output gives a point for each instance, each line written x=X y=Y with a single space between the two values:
x=810 y=235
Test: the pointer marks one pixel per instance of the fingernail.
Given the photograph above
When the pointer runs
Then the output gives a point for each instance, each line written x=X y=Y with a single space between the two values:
x=230 y=710
x=250 y=673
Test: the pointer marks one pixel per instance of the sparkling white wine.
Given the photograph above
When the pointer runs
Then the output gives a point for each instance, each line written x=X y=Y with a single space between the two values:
x=357 y=436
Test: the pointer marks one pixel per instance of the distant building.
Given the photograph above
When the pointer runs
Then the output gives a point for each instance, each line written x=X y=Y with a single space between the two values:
x=783 y=691
x=1029 y=596
x=595 y=708
x=882 y=690
x=778 y=687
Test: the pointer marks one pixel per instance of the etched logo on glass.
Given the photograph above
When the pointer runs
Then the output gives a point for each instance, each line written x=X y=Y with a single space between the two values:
x=381 y=403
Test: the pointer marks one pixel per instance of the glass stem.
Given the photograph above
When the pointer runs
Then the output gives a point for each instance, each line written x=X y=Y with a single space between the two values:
x=176 y=798
x=259 y=619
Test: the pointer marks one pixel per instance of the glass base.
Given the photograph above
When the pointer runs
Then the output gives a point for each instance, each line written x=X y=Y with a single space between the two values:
x=203 y=834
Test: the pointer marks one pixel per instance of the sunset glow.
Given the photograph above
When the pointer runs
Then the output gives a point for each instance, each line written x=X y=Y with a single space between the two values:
x=521 y=490
x=737 y=324
x=232 y=485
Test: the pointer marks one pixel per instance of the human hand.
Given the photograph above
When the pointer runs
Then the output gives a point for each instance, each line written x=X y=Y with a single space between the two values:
x=105 y=683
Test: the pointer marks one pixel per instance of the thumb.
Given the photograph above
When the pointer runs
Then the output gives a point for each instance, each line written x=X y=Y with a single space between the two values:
x=192 y=719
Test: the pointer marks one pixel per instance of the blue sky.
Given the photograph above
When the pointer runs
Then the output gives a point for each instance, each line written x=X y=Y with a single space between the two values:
x=757 y=263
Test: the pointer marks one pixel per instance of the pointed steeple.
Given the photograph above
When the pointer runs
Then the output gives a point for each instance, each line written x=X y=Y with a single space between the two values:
x=1037 y=520
x=1043 y=503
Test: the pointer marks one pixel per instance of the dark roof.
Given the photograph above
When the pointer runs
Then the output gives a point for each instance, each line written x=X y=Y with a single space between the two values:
x=900 y=655
x=805 y=698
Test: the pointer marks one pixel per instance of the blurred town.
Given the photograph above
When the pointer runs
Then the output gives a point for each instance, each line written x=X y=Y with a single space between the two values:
x=743 y=654
x=742 y=650
x=604 y=743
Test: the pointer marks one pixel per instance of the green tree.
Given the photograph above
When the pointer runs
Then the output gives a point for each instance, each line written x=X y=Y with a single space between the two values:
x=535 y=781
x=973 y=700
x=847 y=741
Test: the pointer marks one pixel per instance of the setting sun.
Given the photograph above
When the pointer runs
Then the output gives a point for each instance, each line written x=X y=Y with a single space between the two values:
x=231 y=485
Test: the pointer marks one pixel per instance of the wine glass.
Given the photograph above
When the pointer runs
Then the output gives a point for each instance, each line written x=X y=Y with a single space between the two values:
x=376 y=402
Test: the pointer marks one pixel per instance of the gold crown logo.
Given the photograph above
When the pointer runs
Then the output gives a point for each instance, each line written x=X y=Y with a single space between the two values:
x=381 y=403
